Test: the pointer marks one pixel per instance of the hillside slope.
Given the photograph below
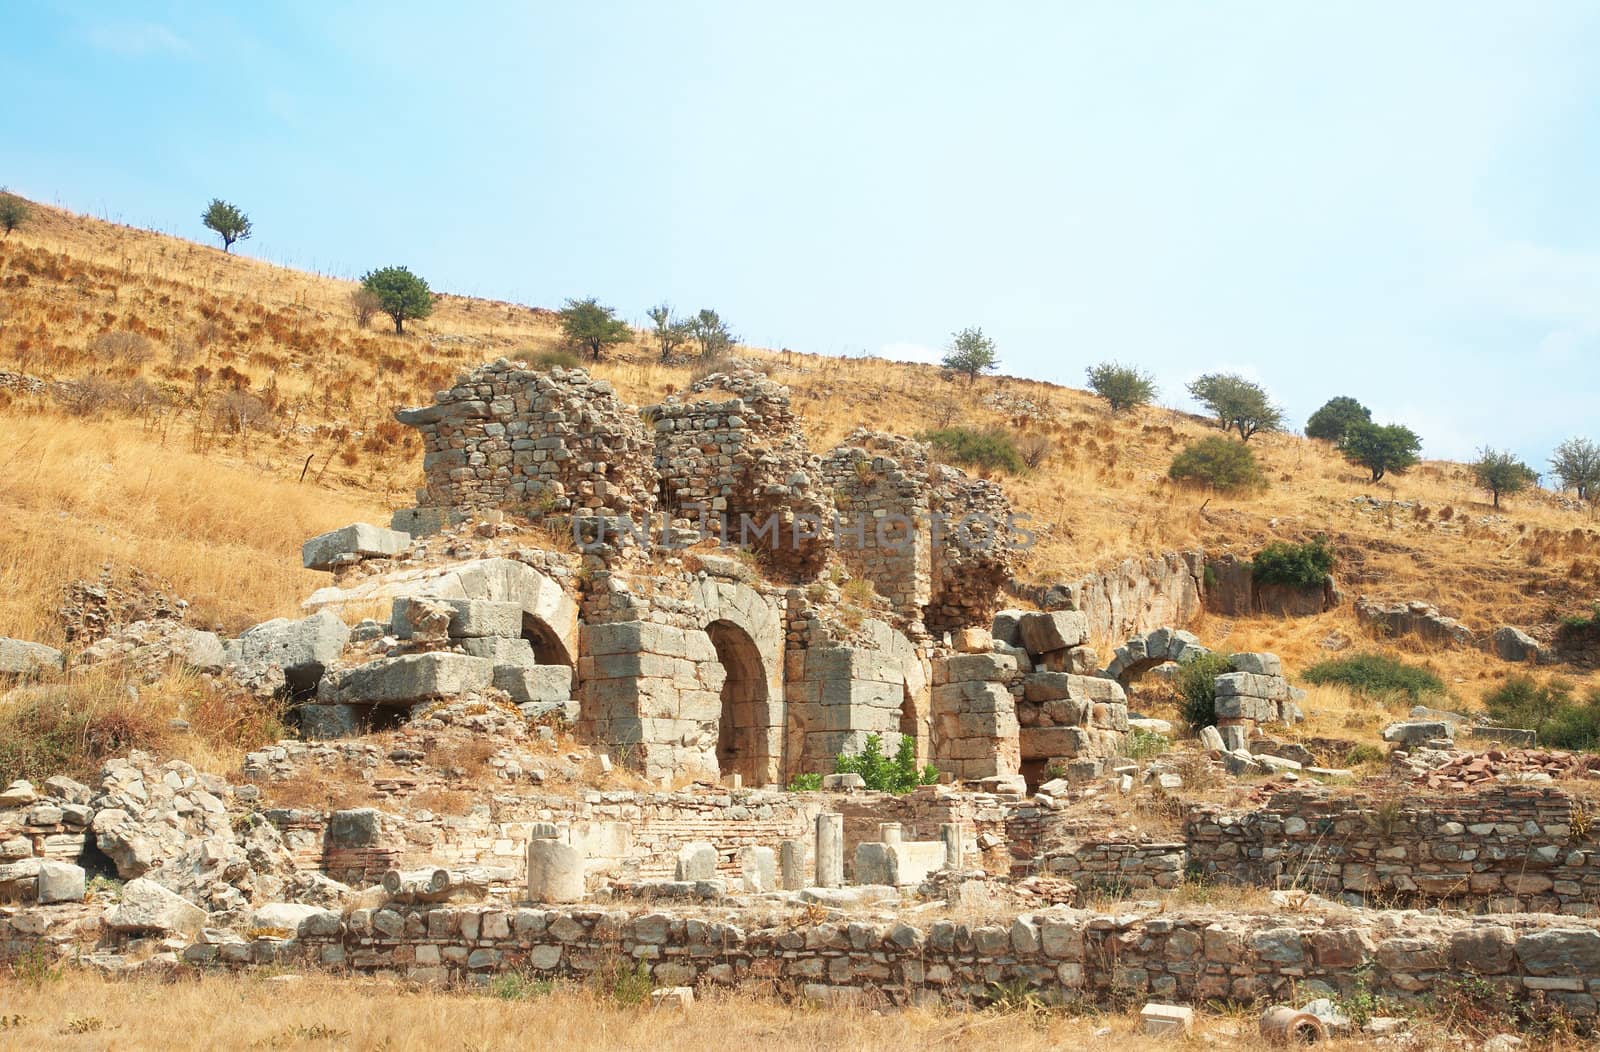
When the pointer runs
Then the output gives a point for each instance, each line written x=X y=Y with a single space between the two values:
x=224 y=409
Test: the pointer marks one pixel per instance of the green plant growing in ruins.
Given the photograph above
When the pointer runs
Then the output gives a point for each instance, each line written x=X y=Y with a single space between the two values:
x=1376 y=676
x=990 y=450
x=520 y=986
x=1548 y=709
x=1196 y=684
x=805 y=783
x=887 y=774
x=1302 y=565
x=1501 y=473
x=1145 y=745
x=623 y=982
x=1016 y=997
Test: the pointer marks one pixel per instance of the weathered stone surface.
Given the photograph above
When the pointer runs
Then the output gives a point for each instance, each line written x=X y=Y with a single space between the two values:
x=148 y=908
x=60 y=882
x=327 y=722
x=21 y=658
x=1415 y=732
x=539 y=683
x=469 y=618
x=697 y=861
x=1513 y=644
x=555 y=871
x=1560 y=951
x=407 y=679
x=1042 y=633
x=350 y=544
x=302 y=649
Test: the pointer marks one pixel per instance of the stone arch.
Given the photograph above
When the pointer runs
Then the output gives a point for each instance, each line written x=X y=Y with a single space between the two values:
x=748 y=634
x=1140 y=654
x=915 y=723
x=743 y=738
x=549 y=616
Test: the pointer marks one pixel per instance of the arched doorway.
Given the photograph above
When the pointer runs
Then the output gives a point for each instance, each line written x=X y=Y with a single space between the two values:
x=742 y=732
x=548 y=649
x=913 y=726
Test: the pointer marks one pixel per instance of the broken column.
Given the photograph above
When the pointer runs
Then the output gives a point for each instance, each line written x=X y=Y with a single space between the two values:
x=792 y=865
x=950 y=835
x=555 y=868
x=830 y=850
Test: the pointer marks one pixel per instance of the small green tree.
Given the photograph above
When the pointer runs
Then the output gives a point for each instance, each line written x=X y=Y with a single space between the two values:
x=1501 y=473
x=1226 y=466
x=227 y=221
x=401 y=294
x=1302 y=565
x=1382 y=449
x=884 y=774
x=1237 y=403
x=1122 y=386
x=670 y=332
x=971 y=352
x=1196 y=684
x=712 y=333
x=1577 y=464
x=588 y=324
x=14 y=211
x=1336 y=417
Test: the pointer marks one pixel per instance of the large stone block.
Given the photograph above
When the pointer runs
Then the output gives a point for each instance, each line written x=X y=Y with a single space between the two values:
x=408 y=679
x=502 y=651
x=539 y=683
x=150 y=909
x=1262 y=664
x=961 y=668
x=21 y=658
x=469 y=618
x=1057 y=630
x=325 y=722
x=350 y=544
x=303 y=649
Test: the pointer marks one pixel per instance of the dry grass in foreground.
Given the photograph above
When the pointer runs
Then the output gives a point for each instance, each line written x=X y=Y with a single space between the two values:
x=82 y=1011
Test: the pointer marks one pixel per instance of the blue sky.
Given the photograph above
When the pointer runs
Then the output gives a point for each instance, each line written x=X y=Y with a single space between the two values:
x=1399 y=202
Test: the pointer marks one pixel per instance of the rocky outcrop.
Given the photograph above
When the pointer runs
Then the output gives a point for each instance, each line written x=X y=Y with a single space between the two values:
x=1137 y=595
x=19 y=658
x=1414 y=618
x=1232 y=590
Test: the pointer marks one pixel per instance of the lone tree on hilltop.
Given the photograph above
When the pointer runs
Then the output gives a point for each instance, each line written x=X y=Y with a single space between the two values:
x=713 y=334
x=971 y=352
x=1577 y=464
x=227 y=221
x=1336 y=416
x=14 y=211
x=1383 y=449
x=401 y=295
x=1122 y=386
x=588 y=324
x=670 y=332
x=1237 y=403
x=1501 y=473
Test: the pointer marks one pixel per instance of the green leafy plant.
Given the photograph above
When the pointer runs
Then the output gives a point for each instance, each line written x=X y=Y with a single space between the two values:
x=1383 y=449
x=1238 y=404
x=1335 y=417
x=401 y=294
x=588 y=323
x=1196 y=684
x=1284 y=562
x=1122 y=386
x=1228 y=467
x=1145 y=745
x=990 y=450
x=1548 y=709
x=887 y=774
x=971 y=352
x=227 y=222
x=805 y=783
x=1376 y=676
x=520 y=986
x=14 y=211
x=1502 y=474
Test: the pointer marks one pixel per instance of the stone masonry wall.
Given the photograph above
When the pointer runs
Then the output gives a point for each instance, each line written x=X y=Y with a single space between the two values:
x=1508 y=848
x=1068 y=956
x=1134 y=597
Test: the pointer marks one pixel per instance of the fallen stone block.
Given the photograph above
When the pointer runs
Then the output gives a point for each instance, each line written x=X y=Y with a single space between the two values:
x=843 y=783
x=1044 y=632
x=1508 y=735
x=469 y=618
x=758 y=869
x=23 y=659
x=539 y=683
x=407 y=679
x=19 y=793
x=328 y=722
x=351 y=544
x=1211 y=740
x=302 y=649
x=697 y=861
x=1260 y=664
x=677 y=997
x=1161 y=1020
x=148 y=908
x=60 y=882
x=1513 y=644
x=1415 y=732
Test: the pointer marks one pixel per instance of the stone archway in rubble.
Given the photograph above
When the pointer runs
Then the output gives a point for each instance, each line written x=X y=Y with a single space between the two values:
x=746 y=630
x=1140 y=654
x=549 y=616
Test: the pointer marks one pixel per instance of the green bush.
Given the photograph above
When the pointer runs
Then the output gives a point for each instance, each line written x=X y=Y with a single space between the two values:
x=991 y=450
x=554 y=359
x=1284 y=562
x=885 y=774
x=1335 y=417
x=1196 y=684
x=1145 y=745
x=1579 y=625
x=1219 y=463
x=805 y=783
x=1122 y=386
x=1377 y=676
x=1547 y=709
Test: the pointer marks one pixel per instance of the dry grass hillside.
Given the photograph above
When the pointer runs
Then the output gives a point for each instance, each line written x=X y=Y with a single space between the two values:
x=226 y=409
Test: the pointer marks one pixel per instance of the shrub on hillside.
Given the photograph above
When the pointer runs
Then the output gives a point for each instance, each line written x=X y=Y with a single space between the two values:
x=1222 y=464
x=1376 y=676
x=1547 y=709
x=1196 y=684
x=1502 y=474
x=991 y=450
x=14 y=211
x=1335 y=417
x=887 y=774
x=554 y=359
x=1122 y=386
x=1284 y=562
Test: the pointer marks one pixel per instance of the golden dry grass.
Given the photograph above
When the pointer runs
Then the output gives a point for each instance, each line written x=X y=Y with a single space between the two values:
x=81 y=1011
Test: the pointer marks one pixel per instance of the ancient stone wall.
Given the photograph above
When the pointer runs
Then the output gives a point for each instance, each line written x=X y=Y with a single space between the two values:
x=1134 y=597
x=1509 y=848
x=881 y=493
x=1067 y=956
